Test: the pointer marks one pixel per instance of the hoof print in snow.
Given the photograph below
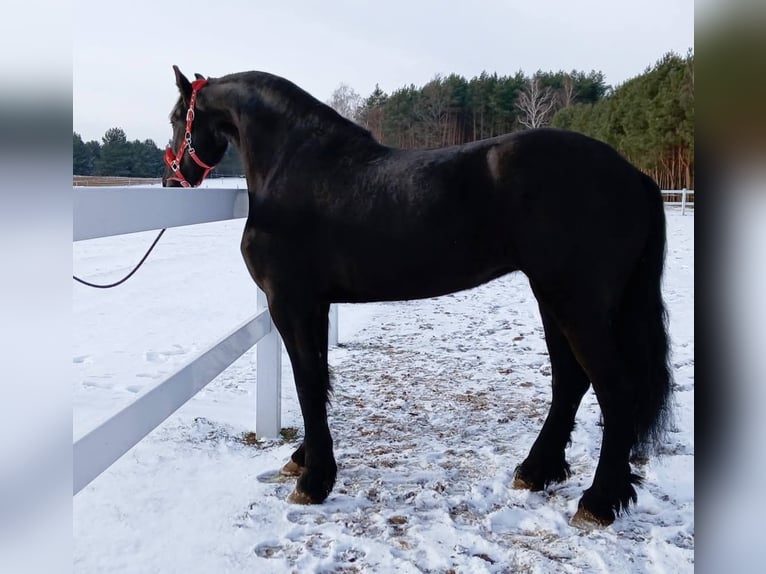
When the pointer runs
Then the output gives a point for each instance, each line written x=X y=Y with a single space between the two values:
x=269 y=550
x=305 y=517
x=397 y=520
x=162 y=356
x=349 y=555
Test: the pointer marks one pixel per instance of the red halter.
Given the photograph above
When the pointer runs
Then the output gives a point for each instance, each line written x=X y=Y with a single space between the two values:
x=173 y=160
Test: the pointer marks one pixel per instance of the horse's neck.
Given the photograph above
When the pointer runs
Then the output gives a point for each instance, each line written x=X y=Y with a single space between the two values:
x=264 y=132
x=239 y=121
x=259 y=150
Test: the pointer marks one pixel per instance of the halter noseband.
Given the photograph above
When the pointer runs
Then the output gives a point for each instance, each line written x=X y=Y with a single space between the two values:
x=173 y=160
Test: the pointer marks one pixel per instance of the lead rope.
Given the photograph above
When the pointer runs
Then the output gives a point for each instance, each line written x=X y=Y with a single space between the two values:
x=128 y=276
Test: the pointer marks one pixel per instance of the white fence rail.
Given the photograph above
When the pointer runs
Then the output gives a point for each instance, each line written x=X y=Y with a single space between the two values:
x=683 y=196
x=106 y=211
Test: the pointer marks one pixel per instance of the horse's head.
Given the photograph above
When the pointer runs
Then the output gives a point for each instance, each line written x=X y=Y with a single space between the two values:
x=197 y=144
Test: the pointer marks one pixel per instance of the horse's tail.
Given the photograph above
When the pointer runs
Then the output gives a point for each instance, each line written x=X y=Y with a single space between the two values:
x=644 y=335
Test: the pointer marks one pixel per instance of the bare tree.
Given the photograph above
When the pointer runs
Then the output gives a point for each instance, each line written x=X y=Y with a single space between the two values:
x=535 y=102
x=568 y=91
x=345 y=101
x=690 y=66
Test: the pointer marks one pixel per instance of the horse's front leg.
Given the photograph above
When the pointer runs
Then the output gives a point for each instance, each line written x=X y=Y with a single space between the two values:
x=303 y=326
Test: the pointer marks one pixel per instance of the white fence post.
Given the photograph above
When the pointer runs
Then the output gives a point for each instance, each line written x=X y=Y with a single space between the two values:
x=268 y=380
x=683 y=201
x=332 y=335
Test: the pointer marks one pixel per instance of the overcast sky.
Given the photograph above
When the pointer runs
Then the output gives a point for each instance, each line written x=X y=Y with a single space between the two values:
x=124 y=51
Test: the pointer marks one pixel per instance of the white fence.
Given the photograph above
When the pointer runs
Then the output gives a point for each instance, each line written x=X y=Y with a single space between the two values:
x=102 y=212
x=679 y=197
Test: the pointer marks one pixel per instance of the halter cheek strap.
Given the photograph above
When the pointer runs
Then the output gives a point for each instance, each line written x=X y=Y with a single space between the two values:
x=173 y=160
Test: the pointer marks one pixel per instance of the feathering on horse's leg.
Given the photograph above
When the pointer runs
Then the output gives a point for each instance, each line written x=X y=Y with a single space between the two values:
x=546 y=462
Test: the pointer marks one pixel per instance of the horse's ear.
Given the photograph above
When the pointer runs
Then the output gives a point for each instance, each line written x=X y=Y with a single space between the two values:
x=198 y=76
x=184 y=86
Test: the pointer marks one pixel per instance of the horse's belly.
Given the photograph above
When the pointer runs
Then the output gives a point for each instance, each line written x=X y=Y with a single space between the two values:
x=415 y=274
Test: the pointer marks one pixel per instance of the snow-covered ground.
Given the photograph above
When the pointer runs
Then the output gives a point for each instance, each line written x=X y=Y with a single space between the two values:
x=436 y=402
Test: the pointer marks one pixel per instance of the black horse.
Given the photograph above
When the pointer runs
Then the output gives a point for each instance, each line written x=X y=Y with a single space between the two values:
x=334 y=216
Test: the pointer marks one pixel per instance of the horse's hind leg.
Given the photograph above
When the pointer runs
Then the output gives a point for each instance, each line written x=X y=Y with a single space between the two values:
x=616 y=390
x=303 y=326
x=546 y=462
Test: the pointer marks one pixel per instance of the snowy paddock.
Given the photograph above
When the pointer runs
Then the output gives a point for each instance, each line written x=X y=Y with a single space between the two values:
x=436 y=402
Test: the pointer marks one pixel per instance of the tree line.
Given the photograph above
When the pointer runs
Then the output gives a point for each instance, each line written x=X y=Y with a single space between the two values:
x=649 y=119
x=116 y=156
x=451 y=110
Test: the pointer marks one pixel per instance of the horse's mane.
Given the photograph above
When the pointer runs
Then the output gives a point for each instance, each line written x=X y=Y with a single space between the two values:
x=284 y=97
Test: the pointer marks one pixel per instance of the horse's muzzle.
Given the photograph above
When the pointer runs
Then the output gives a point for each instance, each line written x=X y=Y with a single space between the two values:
x=167 y=182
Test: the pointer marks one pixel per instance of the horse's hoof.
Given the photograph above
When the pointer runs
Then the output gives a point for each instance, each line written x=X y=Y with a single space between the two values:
x=299 y=497
x=586 y=520
x=291 y=469
x=521 y=484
